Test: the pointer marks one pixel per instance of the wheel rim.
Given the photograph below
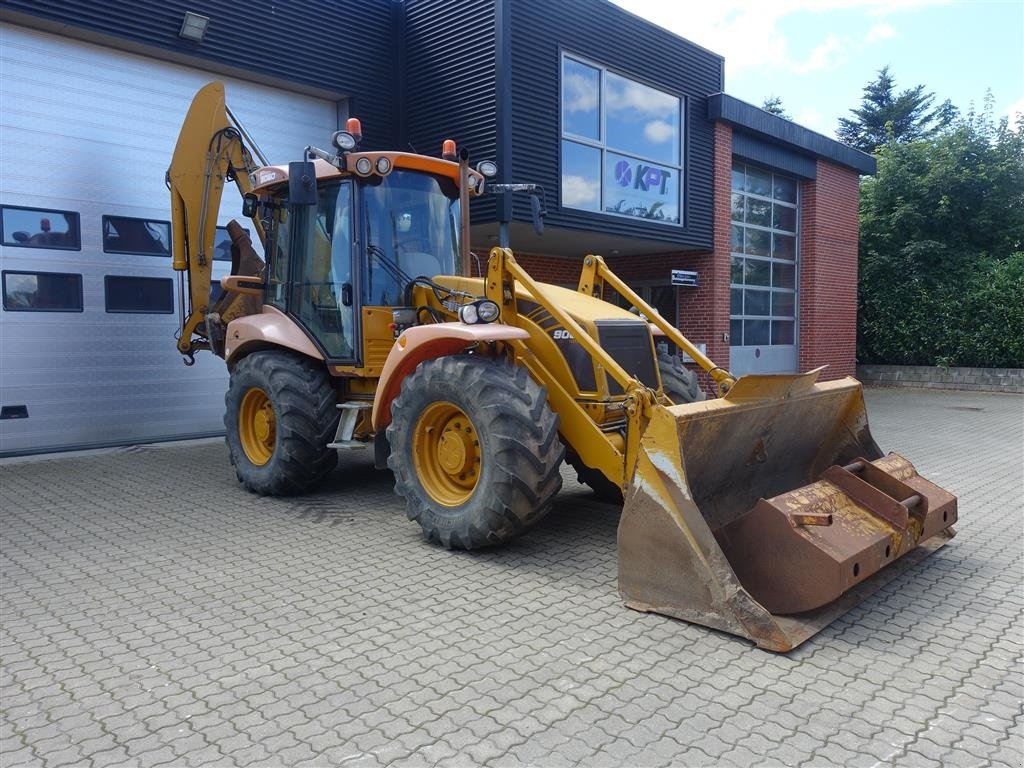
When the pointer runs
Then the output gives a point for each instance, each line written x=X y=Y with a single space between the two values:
x=257 y=426
x=446 y=453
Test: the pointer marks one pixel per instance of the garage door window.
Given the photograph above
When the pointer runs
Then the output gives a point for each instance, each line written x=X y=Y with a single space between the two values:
x=140 y=295
x=764 y=257
x=39 y=228
x=42 y=292
x=123 y=234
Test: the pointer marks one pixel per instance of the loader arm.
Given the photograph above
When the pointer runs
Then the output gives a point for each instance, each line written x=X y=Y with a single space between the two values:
x=210 y=151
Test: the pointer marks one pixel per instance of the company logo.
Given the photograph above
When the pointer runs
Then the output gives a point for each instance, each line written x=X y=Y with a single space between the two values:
x=623 y=173
x=645 y=178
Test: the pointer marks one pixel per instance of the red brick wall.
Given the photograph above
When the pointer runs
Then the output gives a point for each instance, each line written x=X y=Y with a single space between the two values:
x=706 y=316
x=828 y=271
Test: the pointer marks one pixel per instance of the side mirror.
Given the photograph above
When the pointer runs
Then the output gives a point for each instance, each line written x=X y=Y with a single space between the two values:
x=250 y=204
x=538 y=212
x=302 y=183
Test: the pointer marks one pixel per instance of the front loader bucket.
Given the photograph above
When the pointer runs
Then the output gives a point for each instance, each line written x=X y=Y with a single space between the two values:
x=771 y=511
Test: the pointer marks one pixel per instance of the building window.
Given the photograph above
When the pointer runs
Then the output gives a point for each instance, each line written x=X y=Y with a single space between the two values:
x=148 y=237
x=621 y=145
x=39 y=228
x=764 y=258
x=42 y=292
x=140 y=295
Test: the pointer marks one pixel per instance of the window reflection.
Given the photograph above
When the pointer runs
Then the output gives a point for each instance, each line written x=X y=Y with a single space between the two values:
x=622 y=145
x=39 y=228
x=641 y=120
x=581 y=185
x=581 y=95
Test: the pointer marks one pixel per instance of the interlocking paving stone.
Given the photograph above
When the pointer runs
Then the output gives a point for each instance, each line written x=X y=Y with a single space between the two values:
x=155 y=613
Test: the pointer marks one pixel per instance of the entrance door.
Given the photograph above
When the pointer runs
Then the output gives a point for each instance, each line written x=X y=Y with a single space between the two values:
x=764 y=301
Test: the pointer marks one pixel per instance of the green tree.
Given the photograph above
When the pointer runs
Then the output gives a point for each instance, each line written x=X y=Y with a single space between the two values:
x=942 y=248
x=773 y=106
x=884 y=114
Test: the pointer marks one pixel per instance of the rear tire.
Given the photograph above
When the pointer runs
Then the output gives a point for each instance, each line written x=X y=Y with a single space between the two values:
x=280 y=417
x=474 y=450
x=679 y=382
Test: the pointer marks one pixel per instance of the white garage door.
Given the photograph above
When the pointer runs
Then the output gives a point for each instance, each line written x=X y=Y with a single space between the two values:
x=87 y=132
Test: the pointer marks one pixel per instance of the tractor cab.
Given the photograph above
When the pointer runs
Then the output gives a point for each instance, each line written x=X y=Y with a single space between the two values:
x=357 y=240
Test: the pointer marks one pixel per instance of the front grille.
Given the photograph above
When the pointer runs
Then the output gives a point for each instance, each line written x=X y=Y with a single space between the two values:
x=629 y=344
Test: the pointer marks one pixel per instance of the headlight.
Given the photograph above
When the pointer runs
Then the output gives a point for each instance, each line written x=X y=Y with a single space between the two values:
x=487 y=310
x=482 y=311
x=383 y=165
x=488 y=168
x=344 y=141
x=364 y=166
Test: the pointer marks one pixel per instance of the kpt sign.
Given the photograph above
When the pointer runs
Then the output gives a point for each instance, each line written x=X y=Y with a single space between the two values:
x=640 y=188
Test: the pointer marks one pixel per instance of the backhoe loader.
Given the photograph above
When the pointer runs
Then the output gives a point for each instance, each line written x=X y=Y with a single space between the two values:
x=765 y=512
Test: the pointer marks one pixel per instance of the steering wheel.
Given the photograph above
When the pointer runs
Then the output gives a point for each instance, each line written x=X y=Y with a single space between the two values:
x=414 y=245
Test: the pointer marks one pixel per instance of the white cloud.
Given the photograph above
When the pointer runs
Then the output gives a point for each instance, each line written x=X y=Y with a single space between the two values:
x=581 y=95
x=658 y=131
x=629 y=96
x=878 y=32
x=747 y=32
x=810 y=118
x=825 y=56
x=578 y=191
x=1015 y=113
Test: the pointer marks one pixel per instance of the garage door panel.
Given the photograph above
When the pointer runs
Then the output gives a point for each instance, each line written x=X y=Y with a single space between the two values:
x=91 y=130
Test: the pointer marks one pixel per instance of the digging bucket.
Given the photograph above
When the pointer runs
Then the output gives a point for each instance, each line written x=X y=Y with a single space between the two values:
x=771 y=511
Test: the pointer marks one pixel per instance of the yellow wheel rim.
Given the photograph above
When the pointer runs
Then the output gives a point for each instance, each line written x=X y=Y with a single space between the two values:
x=446 y=453
x=257 y=426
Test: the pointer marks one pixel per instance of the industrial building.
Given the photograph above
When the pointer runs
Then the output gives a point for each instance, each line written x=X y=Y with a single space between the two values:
x=642 y=155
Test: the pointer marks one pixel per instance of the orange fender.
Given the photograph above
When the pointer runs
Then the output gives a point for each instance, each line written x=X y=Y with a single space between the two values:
x=271 y=329
x=426 y=342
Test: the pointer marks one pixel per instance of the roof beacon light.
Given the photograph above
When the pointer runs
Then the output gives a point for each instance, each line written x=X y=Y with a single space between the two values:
x=448 y=150
x=353 y=126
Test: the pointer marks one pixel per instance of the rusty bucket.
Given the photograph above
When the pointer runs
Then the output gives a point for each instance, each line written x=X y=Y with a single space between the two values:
x=771 y=511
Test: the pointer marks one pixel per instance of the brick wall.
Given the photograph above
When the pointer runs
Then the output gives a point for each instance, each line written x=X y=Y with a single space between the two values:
x=828 y=271
x=704 y=311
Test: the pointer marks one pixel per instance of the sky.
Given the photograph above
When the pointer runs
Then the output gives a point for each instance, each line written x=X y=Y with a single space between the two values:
x=817 y=55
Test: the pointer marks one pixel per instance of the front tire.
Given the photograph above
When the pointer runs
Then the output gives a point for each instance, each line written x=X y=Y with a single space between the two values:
x=280 y=416
x=474 y=450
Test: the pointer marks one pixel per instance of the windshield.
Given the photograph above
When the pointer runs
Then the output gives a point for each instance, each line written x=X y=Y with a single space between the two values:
x=411 y=225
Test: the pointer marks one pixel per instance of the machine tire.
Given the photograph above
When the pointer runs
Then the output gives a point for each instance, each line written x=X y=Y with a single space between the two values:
x=679 y=382
x=505 y=427
x=291 y=455
x=603 y=488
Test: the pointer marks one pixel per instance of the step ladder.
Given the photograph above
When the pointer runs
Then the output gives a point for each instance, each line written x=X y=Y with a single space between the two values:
x=350 y=413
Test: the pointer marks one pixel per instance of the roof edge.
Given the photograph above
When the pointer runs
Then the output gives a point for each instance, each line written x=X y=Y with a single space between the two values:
x=751 y=119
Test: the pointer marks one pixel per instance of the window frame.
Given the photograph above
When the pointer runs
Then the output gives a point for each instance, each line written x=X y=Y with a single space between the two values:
x=3 y=290
x=602 y=146
x=15 y=244
x=106 y=296
x=103 y=238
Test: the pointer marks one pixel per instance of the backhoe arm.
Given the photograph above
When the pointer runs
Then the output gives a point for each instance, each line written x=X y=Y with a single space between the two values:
x=210 y=150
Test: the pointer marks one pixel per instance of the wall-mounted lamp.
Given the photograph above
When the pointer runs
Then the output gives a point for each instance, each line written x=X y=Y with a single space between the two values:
x=193 y=27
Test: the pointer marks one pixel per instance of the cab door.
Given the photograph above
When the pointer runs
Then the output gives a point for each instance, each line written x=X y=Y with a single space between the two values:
x=312 y=276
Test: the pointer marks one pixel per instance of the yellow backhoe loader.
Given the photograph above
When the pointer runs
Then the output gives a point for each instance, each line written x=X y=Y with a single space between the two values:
x=766 y=511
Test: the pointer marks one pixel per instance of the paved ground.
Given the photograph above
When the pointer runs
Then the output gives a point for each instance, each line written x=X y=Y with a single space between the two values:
x=154 y=613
